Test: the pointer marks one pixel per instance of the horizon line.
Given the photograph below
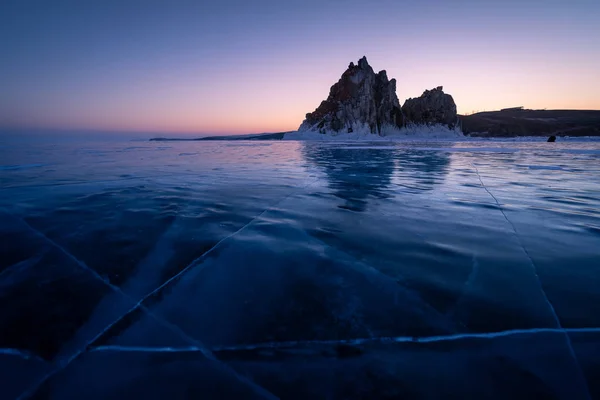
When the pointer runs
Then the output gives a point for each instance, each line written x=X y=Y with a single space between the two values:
x=91 y=130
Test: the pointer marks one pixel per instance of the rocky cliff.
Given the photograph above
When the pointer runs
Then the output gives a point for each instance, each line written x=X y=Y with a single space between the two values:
x=434 y=107
x=361 y=101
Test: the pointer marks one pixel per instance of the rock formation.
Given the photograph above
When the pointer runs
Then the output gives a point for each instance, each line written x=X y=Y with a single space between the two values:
x=433 y=107
x=361 y=101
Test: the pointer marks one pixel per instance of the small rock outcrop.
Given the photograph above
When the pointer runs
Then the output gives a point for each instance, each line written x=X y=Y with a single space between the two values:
x=362 y=101
x=551 y=139
x=433 y=107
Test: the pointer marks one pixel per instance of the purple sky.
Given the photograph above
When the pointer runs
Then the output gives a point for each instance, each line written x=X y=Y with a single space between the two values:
x=234 y=66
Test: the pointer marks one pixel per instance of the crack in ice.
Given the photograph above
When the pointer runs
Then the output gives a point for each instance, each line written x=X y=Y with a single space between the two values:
x=21 y=265
x=21 y=353
x=466 y=288
x=355 y=341
x=555 y=316
x=142 y=349
x=552 y=310
x=405 y=339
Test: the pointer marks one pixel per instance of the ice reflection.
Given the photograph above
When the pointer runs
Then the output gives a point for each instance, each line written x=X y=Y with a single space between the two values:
x=357 y=173
x=354 y=174
x=421 y=169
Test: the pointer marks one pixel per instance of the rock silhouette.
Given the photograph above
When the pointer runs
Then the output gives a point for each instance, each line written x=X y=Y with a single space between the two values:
x=361 y=101
x=365 y=102
x=432 y=108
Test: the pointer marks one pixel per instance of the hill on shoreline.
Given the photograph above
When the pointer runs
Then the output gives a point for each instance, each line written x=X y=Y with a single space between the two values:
x=521 y=122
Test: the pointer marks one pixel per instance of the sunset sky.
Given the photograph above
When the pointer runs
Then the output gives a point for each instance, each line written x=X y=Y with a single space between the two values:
x=239 y=66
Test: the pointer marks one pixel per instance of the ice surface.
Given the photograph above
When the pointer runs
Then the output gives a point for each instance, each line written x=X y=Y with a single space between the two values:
x=46 y=302
x=585 y=345
x=335 y=269
x=132 y=375
x=19 y=370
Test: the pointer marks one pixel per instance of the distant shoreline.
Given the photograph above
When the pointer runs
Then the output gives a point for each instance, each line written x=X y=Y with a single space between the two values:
x=506 y=123
x=518 y=122
x=257 y=136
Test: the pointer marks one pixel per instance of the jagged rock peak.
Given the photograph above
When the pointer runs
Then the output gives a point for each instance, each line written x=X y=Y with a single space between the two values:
x=433 y=107
x=361 y=101
x=363 y=63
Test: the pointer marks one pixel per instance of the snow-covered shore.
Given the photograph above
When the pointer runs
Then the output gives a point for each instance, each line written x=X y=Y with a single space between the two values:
x=435 y=132
x=423 y=133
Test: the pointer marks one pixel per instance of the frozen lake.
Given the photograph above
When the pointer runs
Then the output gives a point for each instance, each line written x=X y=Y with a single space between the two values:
x=300 y=270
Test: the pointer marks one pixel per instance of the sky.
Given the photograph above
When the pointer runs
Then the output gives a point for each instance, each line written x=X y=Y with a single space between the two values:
x=239 y=66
